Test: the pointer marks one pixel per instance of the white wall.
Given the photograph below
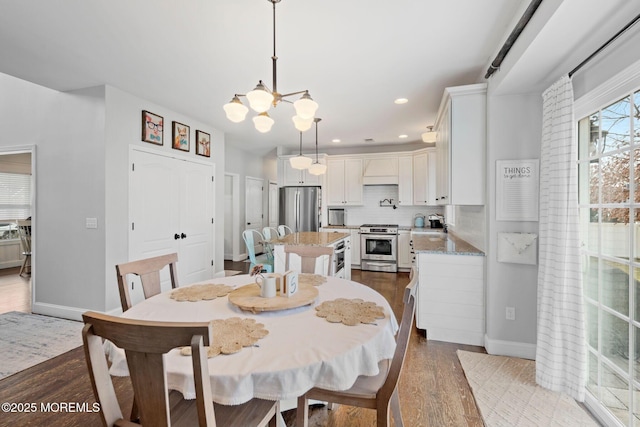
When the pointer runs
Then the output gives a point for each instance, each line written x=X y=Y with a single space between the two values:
x=82 y=141
x=67 y=130
x=123 y=129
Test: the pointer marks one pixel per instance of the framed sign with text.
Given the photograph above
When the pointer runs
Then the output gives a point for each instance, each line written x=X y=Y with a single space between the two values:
x=517 y=186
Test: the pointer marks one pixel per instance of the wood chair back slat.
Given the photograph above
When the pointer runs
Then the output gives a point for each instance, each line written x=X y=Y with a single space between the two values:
x=308 y=257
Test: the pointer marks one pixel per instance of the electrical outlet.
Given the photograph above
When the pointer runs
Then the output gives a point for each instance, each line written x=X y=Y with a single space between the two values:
x=511 y=313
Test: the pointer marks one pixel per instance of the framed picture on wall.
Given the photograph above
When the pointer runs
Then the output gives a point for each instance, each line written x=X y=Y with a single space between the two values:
x=203 y=143
x=180 y=136
x=152 y=128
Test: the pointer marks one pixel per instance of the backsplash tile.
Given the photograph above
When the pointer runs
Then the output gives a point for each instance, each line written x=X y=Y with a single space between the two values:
x=372 y=213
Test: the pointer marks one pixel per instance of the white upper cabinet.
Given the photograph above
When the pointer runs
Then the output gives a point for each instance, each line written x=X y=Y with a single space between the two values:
x=405 y=180
x=344 y=181
x=424 y=177
x=289 y=176
x=460 y=146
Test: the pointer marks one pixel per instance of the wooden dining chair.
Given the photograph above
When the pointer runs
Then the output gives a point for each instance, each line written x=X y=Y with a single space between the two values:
x=145 y=344
x=148 y=270
x=378 y=392
x=308 y=257
x=24 y=231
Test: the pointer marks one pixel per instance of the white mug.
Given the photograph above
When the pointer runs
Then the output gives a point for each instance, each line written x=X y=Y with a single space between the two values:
x=267 y=285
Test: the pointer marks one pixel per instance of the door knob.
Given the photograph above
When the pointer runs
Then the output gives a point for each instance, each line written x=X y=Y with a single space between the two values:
x=176 y=236
x=183 y=236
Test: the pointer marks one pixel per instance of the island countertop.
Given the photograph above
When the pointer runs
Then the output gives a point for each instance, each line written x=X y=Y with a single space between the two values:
x=443 y=243
x=311 y=238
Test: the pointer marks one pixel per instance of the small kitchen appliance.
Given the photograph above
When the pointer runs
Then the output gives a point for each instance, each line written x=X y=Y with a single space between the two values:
x=337 y=217
x=379 y=247
x=418 y=221
x=436 y=221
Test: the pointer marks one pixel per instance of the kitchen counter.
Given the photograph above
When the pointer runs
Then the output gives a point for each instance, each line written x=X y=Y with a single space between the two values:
x=311 y=238
x=343 y=227
x=442 y=243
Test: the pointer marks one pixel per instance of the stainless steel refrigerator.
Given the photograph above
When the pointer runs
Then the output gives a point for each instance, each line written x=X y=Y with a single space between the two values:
x=300 y=208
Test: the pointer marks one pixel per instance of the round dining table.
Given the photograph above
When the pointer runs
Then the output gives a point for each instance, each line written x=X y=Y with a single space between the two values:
x=301 y=350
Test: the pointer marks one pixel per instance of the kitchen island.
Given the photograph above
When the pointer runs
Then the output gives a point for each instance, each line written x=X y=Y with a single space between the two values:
x=341 y=242
x=450 y=288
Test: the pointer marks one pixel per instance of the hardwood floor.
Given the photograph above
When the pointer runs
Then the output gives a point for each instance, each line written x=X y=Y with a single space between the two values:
x=433 y=389
x=15 y=291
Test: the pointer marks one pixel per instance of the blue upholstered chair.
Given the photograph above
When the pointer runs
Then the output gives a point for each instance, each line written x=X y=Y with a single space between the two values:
x=251 y=237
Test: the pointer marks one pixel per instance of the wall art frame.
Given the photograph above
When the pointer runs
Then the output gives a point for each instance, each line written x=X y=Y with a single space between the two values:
x=180 y=134
x=203 y=143
x=152 y=128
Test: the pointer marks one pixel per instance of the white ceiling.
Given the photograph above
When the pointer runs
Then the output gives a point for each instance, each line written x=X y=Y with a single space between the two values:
x=355 y=57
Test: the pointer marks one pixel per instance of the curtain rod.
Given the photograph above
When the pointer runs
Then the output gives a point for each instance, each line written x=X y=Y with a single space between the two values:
x=604 y=46
x=517 y=30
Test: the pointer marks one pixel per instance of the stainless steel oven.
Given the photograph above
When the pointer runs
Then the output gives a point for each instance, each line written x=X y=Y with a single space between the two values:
x=338 y=254
x=379 y=247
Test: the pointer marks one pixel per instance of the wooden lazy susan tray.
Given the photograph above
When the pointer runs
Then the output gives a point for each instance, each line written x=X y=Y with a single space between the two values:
x=248 y=298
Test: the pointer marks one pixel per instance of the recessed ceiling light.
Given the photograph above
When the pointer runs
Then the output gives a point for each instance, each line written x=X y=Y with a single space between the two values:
x=401 y=101
x=403 y=136
x=335 y=140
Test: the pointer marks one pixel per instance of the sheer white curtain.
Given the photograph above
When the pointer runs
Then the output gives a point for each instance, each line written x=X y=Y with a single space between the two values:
x=561 y=350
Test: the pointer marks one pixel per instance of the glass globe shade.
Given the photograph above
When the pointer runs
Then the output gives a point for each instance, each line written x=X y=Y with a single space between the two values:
x=300 y=162
x=259 y=99
x=305 y=107
x=236 y=110
x=263 y=122
x=429 y=136
x=302 y=125
x=317 y=169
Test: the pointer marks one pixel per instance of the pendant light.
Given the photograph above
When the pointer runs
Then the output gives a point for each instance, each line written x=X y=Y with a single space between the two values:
x=317 y=168
x=261 y=98
x=300 y=162
x=429 y=136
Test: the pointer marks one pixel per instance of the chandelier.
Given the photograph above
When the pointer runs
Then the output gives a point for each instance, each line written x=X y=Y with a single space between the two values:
x=262 y=98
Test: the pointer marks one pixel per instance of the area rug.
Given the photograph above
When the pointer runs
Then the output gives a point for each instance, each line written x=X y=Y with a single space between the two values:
x=28 y=339
x=506 y=393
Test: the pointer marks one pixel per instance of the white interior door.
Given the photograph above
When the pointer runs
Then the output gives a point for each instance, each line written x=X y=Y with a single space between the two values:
x=273 y=204
x=253 y=206
x=171 y=210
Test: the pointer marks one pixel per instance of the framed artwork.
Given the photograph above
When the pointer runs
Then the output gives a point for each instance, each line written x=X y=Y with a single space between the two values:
x=517 y=186
x=203 y=143
x=152 y=127
x=180 y=136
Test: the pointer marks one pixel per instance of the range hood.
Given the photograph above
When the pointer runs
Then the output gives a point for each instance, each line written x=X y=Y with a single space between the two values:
x=380 y=171
x=380 y=180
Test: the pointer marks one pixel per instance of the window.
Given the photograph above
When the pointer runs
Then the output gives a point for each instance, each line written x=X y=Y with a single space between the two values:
x=609 y=194
x=15 y=196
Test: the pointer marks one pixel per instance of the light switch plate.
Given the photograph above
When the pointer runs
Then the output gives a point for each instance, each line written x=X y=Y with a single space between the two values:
x=91 y=222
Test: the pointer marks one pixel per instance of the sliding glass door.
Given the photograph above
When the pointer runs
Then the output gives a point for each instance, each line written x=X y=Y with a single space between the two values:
x=609 y=165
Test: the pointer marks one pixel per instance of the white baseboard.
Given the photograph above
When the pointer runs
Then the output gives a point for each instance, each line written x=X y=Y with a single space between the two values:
x=54 y=310
x=241 y=257
x=64 y=312
x=510 y=348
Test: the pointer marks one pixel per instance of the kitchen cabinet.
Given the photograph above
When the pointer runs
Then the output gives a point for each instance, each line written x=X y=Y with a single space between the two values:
x=451 y=297
x=355 y=248
x=344 y=182
x=354 y=245
x=405 y=257
x=405 y=180
x=424 y=177
x=288 y=176
x=460 y=146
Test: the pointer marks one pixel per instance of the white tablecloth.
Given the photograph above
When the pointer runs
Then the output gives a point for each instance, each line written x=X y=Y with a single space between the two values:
x=301 y=351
